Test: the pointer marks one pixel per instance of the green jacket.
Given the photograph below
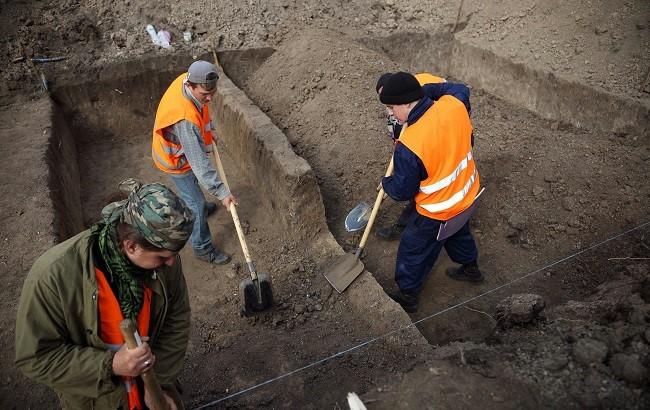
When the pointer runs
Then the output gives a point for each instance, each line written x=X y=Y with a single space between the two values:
x=57 y=328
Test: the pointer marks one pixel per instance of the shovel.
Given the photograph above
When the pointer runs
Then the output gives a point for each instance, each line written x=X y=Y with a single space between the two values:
x=347 y=267
x=256 y=292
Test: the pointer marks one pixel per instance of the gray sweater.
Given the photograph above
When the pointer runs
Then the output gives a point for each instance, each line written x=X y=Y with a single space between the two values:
x=189 y=137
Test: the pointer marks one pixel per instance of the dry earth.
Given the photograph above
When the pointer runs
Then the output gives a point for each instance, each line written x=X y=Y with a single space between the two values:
x=552 y=190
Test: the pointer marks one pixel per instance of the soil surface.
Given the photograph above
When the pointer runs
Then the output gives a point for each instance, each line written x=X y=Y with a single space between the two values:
x=552 y=192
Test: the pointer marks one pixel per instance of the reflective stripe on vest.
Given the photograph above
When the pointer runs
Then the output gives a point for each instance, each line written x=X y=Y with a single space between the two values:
x=110 y=316
x=455 y=198
x=446 y=181
x=441 y=139
x=174 y=107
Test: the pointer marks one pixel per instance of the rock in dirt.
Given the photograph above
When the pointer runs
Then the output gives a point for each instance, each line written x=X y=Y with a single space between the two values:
x=628 y=368
x=517 y=221
x=519 y=310
x=600 y=30
x=639 y=271
x=299 y=308
x=555 y=363
x=235 y=268
x=589 y=351
x=540 y=193
x=645 y=290
x=569 y=203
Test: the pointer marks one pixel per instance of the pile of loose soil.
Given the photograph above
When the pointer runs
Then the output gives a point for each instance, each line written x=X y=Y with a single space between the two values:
x=601 y=43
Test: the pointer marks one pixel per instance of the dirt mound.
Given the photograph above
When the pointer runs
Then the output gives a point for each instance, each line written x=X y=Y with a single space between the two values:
x=320 y=88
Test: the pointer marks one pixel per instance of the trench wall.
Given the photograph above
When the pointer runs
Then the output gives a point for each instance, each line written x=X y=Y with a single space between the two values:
x=63 y=178
x=264 y=153
x=541 y=92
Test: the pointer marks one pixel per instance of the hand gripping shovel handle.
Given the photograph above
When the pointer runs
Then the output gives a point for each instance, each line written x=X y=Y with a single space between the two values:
x=235 y=217
x=373 y=214
x=132 y=339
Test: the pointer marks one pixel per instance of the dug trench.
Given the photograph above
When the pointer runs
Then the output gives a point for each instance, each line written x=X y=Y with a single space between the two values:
x=315 y=147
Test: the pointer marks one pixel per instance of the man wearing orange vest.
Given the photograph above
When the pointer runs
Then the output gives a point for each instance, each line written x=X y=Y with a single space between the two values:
x=76 y=294
x=434 y=166
x=181 y=147
x=394 y=128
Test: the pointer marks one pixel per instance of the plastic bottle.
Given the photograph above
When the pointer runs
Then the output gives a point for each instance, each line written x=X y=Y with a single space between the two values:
x=165 y=38
x=153 y=35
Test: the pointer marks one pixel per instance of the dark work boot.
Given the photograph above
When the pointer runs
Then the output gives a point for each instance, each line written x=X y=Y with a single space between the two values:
x=210 y=208
x=390 y=233
x=215 y=257
x=407 y=299
x=468 y=272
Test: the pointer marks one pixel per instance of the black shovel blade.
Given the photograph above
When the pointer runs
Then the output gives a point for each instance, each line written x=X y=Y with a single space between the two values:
x=248 y=291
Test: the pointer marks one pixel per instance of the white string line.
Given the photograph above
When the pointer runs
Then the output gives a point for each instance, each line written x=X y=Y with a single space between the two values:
x=385 y=335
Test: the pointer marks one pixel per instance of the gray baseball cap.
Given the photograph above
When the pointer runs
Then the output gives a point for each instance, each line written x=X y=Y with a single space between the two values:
x=204 y=73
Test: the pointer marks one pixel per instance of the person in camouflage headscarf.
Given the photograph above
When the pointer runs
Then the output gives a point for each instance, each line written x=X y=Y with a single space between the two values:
x=161 y=221
x=60 y=336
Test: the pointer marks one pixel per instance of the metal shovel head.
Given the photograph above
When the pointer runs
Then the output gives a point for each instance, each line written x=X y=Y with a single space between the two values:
x=344 y=271
x=253 y=299
x=358 y=218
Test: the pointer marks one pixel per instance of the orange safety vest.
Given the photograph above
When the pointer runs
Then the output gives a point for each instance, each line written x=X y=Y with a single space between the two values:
x=174 y=107
x=426 y=78
x=110 y=316
x=441 y=139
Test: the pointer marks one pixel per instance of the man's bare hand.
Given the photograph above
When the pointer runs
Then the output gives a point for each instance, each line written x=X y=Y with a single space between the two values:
x=230 y=199
x=132 y=362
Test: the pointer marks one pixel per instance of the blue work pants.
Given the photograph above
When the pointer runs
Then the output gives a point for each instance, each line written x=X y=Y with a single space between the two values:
x=190 y=191
x=418 y=250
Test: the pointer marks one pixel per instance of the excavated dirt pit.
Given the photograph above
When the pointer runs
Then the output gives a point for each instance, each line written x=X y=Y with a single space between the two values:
x=553 y=188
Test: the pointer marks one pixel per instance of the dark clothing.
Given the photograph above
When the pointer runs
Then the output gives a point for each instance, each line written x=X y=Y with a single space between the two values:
x=407 y=214
x=407 y=174
x=409 y=169
x=437 y=90
x=434 y=91
x=57 y=338
x=418 y=251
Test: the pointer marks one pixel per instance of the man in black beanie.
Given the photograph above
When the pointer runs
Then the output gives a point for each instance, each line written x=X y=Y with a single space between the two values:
x=434 y=166
x=431 y=85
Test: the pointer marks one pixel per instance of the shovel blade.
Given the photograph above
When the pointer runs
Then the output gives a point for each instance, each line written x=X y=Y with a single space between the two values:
x=344 y=271
x=256 y=296
x=358 y=217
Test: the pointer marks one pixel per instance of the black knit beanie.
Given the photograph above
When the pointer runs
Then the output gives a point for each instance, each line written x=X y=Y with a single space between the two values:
x=382 y=81
x=401 y=88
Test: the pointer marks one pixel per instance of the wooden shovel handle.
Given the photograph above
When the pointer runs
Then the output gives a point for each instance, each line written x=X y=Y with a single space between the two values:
x=375 y=210
x=235 y=216
x=131 y=337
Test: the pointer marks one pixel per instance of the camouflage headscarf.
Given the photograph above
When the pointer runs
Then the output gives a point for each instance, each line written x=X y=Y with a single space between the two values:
x=162 y=218
x=159 y=216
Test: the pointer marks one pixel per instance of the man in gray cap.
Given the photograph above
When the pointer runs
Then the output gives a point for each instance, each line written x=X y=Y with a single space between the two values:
x=182 y=142
x=76 y=294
